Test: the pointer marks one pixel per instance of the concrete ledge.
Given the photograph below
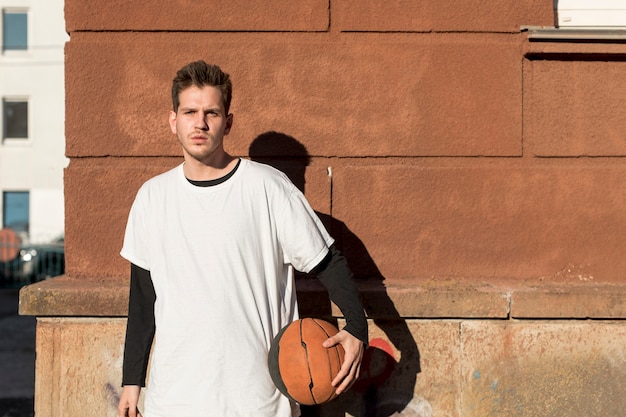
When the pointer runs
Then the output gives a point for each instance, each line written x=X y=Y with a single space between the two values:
x=81 y=297
x=413 y=301
x=573 y=48
x=75 y=297
x=585 y=302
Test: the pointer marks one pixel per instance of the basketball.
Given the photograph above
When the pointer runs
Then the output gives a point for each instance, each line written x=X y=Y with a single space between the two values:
x=300 y=366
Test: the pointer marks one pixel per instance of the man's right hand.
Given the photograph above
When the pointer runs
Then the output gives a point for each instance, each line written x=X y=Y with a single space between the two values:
x=128 y=401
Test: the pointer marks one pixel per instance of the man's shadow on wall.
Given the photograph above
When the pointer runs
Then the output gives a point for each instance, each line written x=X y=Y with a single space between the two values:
x=388 y=377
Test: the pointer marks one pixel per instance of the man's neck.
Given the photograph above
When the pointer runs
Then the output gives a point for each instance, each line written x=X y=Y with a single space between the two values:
x=199 y=171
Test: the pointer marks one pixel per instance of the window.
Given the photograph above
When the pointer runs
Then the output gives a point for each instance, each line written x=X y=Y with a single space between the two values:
x=15 y=119
x=16 y=210
x=14 y=30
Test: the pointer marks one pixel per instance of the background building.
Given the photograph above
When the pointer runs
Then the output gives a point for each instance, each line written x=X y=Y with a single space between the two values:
x=32 y=87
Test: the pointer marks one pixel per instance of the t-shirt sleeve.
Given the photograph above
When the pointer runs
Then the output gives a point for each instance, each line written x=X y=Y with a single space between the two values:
x=135 y=246
x=304 y=239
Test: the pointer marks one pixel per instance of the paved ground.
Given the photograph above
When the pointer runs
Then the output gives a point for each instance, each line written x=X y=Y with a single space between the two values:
x=17 y=358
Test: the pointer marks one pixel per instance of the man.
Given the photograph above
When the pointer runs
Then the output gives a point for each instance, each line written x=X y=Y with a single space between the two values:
x=212 y=245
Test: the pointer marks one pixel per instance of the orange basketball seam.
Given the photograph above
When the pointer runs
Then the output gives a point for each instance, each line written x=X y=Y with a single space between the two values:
x=308 y=364
x=330 y=371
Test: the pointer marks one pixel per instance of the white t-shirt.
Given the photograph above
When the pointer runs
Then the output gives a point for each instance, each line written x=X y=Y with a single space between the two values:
x=221 y=260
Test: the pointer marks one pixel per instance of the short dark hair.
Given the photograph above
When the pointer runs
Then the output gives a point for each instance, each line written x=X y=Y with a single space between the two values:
x=201 y=74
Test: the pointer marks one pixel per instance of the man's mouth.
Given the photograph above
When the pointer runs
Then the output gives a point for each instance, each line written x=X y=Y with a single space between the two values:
x=199 y=138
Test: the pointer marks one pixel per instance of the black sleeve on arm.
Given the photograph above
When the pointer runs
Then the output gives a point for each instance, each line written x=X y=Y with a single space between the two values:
x=140 y=327
x=336 y=276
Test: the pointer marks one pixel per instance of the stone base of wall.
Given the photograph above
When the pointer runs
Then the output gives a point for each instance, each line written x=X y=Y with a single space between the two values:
x=436 y=350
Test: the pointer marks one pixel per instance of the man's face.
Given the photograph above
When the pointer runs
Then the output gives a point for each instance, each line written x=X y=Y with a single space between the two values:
x=201 y=124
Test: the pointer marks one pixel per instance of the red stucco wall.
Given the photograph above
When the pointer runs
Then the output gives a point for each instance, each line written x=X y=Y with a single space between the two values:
x=455 y=152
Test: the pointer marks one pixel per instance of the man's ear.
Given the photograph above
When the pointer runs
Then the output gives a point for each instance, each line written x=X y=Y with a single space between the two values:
x=172 y=120
x=229 y=123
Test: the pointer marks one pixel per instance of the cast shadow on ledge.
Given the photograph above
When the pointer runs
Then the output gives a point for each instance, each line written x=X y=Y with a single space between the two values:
x=388 y=376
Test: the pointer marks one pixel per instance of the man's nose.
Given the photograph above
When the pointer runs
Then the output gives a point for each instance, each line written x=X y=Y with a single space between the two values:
x=201 y=121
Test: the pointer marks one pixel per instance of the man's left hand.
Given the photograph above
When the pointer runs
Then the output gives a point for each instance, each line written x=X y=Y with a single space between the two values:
x=351 y=367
